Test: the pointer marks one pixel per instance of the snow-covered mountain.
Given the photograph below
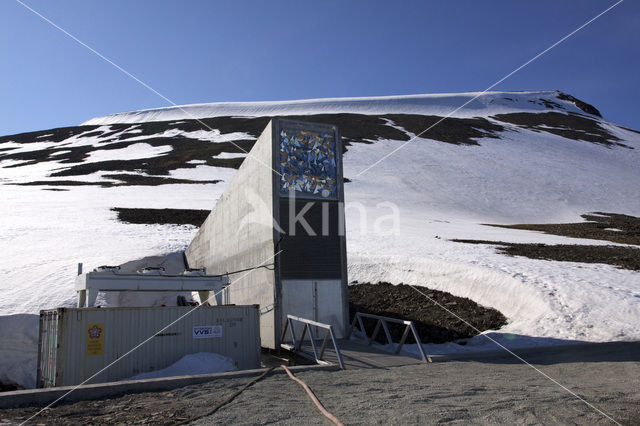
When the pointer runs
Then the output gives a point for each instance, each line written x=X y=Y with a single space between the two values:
x=503 y=158
x=476 y=104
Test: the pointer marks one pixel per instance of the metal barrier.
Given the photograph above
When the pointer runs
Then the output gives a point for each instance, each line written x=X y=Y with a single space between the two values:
x=308 y=325
x=382 y=322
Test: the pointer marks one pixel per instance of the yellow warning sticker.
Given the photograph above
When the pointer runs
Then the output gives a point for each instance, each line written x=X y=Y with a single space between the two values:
x=94 y=339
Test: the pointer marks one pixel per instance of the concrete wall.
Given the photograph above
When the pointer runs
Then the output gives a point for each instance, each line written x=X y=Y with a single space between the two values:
x=238 y=234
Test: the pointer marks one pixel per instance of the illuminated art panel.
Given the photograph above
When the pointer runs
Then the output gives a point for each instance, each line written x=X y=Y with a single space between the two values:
x=308 y=163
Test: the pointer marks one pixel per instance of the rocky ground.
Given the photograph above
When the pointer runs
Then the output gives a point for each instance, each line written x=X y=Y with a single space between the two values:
x=617 y=228
x=7 y=387
x=434 y=324
x=162 y=216
x=620 y=256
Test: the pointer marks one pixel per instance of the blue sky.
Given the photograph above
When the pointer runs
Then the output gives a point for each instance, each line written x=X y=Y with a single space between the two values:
x=213 y=51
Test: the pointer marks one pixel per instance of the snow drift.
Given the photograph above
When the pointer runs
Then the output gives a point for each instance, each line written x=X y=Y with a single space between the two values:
x=192 y=364
x=19 y=349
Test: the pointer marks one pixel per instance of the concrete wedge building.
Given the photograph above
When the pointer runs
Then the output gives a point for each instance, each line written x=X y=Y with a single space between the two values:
x=281 y=218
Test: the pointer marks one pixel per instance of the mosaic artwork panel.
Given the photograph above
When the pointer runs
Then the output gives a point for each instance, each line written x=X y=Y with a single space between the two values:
x=308 y=163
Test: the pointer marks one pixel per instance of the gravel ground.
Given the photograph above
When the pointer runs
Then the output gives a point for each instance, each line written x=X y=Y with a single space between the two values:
x=454 y=392
x=486 y=391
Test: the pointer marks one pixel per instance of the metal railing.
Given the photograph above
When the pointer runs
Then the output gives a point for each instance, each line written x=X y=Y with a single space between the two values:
x=382 y=323
x=297 y=342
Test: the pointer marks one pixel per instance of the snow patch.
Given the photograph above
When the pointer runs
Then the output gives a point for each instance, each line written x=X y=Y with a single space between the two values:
x=210 y=135
x=19 y=349
x=131 y=152
x=198 y=363
x=231 y=155
x=204 y=172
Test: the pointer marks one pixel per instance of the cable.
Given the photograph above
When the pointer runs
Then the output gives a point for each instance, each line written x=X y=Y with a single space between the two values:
x=315 y=400
x=249 y=269
x=226 y=401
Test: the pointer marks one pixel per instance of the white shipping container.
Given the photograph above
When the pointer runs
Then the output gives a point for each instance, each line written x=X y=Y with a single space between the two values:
x=76 y=343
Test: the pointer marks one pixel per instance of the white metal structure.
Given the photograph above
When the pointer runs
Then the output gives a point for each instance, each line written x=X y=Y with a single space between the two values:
x=76 y=343
x=298 y=341
x=382 y=322
x=111 y=279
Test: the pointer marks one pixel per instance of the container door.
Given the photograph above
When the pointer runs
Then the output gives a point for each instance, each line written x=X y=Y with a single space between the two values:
x=47 y=349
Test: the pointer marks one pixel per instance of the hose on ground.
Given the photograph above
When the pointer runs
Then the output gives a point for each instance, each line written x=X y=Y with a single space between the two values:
x=315 y=400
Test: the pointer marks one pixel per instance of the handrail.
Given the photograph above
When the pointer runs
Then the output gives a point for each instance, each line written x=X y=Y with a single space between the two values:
x=310 y=322
x=308 y=325
x=382 y=322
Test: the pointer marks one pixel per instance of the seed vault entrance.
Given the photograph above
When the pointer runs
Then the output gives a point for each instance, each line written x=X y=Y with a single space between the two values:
x=283 y=212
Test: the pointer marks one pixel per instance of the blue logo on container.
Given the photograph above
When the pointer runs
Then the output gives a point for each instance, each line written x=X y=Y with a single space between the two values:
x=207 y=331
